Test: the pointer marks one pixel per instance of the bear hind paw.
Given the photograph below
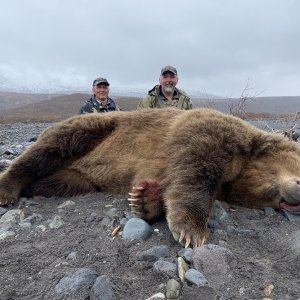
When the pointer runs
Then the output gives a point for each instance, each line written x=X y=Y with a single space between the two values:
x=4 y=201
x=145 y=200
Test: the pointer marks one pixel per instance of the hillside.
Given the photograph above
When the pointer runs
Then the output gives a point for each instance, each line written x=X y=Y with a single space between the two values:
x=271 y=105
x=16 y=107
x=13 y=100
x=56 y=108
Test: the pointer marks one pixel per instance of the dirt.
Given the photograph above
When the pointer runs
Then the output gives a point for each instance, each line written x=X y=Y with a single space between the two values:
x=33 y=261
x=267 y=248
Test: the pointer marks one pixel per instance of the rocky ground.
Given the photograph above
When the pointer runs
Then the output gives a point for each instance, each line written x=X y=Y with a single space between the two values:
x=89 y=247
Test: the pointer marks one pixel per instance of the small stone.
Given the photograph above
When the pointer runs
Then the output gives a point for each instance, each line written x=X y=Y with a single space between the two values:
x=7 y=234
x=195 y=277
x=136 y=229
x=27 y=221
x=12 y=217
x=2 y=211
x=25 y=224
x=73 y=282
x=213 y=224
x=72 y=255
x=268 y=290
x=56 y=223
x=9 y=152
x=154 y=253
x=4 y=163
x=173 y=289
x=295 y=217
x=5 y=228
x=157 y=297
x=41 y=227
x=182 y=268
x=166 y=268
x=269 y=211
x=112 y=213
x=102 y=289
x=186 y=254
x=67 y=203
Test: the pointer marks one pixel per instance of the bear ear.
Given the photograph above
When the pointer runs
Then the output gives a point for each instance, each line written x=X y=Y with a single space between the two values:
x=258 y=146
x=264 y=145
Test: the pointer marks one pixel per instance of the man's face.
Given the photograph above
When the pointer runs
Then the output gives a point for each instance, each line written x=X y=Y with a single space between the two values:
x=168 y=82
x=101 y=91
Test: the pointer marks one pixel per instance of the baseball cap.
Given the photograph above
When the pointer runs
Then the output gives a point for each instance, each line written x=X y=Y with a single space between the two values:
x=100 y=80
x=168 y=69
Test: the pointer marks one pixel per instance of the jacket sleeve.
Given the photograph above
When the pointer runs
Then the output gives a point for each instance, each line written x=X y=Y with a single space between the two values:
x=86 y=109
x=189 y=104
x=145 y=103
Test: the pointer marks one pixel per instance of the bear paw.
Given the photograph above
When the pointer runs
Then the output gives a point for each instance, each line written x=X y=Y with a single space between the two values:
x=9 y=192
x=194 y=237
x=145 y=200
x=6 y=200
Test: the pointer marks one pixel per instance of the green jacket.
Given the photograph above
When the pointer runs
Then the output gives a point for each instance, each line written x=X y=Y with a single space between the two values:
x=156 y=99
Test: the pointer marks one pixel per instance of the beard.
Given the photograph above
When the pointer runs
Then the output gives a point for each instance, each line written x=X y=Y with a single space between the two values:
x=169 y=88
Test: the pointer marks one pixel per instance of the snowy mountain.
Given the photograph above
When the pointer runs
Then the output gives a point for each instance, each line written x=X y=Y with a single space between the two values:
x=42 y=87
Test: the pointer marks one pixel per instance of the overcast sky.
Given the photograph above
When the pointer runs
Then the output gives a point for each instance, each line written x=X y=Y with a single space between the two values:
x=216 y=45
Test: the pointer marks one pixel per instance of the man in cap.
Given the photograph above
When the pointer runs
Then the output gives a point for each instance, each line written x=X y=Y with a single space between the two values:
x=99 y=102
x=166 y=94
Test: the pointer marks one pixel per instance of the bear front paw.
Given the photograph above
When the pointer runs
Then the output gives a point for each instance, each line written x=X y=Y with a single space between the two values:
x=187 y=235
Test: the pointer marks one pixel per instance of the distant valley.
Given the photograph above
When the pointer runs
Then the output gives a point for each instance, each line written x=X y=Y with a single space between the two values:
x=27 y=107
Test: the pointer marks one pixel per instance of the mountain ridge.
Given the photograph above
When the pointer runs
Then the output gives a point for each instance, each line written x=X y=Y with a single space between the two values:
x=16 y=107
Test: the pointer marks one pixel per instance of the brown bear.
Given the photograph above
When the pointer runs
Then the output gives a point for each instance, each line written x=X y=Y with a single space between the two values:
x=176 y=161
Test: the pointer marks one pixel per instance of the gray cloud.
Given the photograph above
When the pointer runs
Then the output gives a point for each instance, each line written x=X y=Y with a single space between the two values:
x=215 y=45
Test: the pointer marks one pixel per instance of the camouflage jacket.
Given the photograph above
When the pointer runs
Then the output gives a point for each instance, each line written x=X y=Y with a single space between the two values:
x=156 y=99
x=92 y=105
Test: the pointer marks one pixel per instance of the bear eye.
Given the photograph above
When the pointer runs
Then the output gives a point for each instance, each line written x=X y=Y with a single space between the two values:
x=272 y=192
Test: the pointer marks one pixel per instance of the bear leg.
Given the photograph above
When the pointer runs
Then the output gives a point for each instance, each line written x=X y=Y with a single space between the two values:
x=9 y=193
x=146 y=200
x=187 y=215
x=58 y=146
x=64 y=183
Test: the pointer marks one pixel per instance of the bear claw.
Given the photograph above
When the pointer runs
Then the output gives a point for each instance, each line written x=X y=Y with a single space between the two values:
x=145 y=200
x=187 y=238
x=136 y=200
x=7 y=202
x=195 y=242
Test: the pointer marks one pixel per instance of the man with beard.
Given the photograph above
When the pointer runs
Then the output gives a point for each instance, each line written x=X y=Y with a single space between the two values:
x=166 y=94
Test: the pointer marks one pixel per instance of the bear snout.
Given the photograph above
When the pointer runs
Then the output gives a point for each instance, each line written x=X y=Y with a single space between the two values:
x=291 y=196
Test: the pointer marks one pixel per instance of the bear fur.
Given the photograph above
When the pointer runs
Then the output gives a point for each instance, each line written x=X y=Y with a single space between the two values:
x=177 y=161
